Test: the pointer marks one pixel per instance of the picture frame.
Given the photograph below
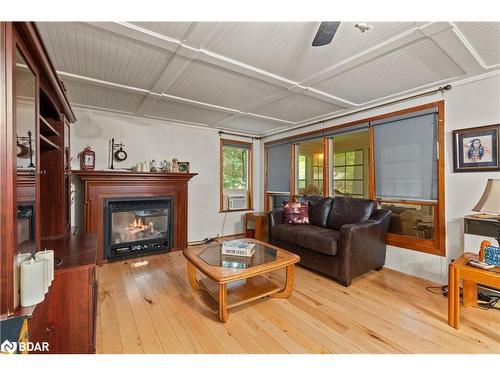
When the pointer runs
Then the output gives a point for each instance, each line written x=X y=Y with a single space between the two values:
x=183 y=166
x=476 y=149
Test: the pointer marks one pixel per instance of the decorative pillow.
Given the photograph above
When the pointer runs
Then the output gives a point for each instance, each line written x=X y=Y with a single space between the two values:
x=319 y=208
x=295 y=213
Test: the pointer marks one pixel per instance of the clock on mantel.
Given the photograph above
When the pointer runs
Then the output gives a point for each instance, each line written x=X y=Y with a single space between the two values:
x=87 y=159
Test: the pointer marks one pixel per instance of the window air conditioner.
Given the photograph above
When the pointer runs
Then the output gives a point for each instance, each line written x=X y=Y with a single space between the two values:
x=237 y=201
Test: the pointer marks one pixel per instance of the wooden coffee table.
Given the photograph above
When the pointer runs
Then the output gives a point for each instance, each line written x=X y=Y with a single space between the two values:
x=233 y=281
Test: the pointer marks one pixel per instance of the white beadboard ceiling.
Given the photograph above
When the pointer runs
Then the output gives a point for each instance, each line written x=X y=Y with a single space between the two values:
x=259 y=77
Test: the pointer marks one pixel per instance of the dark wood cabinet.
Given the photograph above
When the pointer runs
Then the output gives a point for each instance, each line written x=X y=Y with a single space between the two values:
x=66 y=318
x=71 y=311
x=34 y=170
x=38 y=329
x=34 y=111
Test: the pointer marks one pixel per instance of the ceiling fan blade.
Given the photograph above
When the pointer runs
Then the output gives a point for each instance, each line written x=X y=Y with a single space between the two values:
x=325 y=34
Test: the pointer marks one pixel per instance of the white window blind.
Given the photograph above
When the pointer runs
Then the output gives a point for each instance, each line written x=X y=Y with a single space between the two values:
x=405 y=149
x=278 y=168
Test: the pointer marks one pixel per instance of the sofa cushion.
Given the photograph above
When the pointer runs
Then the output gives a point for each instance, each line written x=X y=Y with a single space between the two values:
x=289 y=232
x=295 y=213
x=319 y=239
x=319 y=208
x=348 y=210
x=311 y=237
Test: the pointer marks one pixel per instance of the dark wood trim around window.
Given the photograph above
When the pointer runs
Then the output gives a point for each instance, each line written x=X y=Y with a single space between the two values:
x=326 y=168
x=293 y=152
x=436 y=246
x=222 y=143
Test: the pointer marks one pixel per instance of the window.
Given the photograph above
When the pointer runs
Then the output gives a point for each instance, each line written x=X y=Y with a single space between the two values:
x=348 y=173
x=407 y=152
x=277 y=174
x=302 y=172
x=396 y=159
x=236 y=175
x=318 y=169
x=310 y=157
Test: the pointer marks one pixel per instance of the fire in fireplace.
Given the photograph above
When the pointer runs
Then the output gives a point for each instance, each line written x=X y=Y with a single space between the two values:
x=136 y=226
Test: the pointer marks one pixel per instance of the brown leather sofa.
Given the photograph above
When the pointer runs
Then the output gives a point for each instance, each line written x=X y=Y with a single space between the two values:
x=345 y=237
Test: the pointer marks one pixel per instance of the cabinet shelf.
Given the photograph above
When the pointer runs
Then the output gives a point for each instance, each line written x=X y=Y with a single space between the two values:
x=46 y=144
x=46 y=129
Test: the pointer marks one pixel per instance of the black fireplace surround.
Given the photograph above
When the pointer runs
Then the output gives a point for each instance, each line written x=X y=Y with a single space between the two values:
x=137 y=226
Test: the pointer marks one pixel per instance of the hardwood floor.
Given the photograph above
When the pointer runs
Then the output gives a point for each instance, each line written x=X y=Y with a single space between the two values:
x=147 y=306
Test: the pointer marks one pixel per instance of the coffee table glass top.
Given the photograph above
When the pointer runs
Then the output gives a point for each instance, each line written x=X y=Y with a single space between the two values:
x=212 y=256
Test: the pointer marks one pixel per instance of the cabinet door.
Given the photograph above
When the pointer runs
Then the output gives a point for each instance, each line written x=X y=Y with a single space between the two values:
x=38 y=326
x=71 y=311
x=25 y=115
x=25 y=90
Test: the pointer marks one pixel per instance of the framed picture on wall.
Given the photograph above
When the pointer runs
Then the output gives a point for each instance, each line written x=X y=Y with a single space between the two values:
x=183 y=167
x=476 y=149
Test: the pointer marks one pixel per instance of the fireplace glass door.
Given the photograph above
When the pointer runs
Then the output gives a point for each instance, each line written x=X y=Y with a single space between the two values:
x=138 y=226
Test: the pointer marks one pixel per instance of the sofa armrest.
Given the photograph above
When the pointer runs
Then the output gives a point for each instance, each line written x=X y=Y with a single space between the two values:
x=274 y=217
x=362 y=245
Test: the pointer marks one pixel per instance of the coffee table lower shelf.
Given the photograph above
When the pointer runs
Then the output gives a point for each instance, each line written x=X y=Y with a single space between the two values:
x=241 y=291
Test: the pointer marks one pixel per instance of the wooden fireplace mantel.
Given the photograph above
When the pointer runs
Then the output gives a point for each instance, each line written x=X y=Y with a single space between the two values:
x=99 y=185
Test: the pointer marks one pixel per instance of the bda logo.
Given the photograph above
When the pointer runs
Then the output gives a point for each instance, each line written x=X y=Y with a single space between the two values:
x=8 y=347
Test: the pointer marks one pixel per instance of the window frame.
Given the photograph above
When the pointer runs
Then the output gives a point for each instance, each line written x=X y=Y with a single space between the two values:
x=362 y=165
x=317 y=168
x=299 y=180
x=437 y=246
x=294 y=181
x=245 y=145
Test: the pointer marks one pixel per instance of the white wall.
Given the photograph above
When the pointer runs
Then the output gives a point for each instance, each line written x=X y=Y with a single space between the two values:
x=470 y=103
x=147 y=139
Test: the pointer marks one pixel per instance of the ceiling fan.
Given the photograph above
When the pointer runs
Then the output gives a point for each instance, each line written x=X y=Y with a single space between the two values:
x=327 y=30
x=325 y=33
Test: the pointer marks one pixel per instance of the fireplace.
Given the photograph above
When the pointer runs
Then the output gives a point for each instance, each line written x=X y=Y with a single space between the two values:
x=99 y=186
x=140 y=225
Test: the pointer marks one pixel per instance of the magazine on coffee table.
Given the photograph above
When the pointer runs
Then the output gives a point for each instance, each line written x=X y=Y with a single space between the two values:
x=238 y=247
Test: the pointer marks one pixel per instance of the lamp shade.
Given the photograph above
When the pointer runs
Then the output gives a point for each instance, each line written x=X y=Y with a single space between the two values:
x=490 y=201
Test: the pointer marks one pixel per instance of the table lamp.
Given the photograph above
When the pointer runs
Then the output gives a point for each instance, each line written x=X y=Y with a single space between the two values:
x=489 y=204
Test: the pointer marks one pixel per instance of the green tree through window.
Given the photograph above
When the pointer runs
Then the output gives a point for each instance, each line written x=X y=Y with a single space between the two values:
x=235 y=163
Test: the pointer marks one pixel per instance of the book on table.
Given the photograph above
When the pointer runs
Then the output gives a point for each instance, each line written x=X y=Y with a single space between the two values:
x=238 y=248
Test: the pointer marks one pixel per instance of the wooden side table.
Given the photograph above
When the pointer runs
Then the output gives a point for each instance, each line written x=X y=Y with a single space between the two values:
x=260 y=221
x=470 y=276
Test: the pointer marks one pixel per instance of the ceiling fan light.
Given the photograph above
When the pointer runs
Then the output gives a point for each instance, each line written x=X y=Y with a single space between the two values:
x=363 y=26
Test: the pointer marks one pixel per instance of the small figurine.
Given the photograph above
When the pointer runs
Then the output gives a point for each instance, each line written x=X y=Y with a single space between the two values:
x=166 y=166
x=175 y=165
x=152 y=166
